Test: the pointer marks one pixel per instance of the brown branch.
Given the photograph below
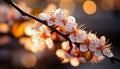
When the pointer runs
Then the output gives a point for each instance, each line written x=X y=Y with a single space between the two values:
x=37 y=19
x=10 y=2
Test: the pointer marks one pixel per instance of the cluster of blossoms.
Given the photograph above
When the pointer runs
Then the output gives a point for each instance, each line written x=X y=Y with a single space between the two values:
x=90 y=48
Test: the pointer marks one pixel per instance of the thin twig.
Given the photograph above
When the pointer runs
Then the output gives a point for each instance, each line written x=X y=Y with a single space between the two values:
x=51 y=27
x=37 y=19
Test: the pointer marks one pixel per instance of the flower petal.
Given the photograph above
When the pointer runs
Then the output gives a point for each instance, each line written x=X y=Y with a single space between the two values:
x=102 y=40
x=50 y=23
x=36 y=38
x=95 y=42
x=83 y=48
x=107 y=52
x=98 y=53
x=44 y=16
x=59 y=23
x=82 y=60
x=59 y=15
x=92 y=47
x=91 y=36
x=49 y=42
x=101 y=58
x=82 y=35
x=72 y=37
x=71 y=19
x=71 y=23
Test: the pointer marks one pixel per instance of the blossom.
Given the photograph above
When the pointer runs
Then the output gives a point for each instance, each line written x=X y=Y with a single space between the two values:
x=91 y=48
x=107 y=52
x=105 y=48
x=97 y=59
x=43 y=35
x=63 y=20
x=48 y=17
x=71 y=23
x=90 y=42
x=60 y=17
x=77 y=36
x=70 y=54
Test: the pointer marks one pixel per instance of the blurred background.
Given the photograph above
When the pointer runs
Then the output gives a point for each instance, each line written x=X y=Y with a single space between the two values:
x=16 y=47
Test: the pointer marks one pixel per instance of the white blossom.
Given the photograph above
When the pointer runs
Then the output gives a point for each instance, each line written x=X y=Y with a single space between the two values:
x=49 y=18
x=102 y=40
x=60 y=17
x=78 y=36
x=107 y=52
x=43 y=35
x=71 y=23
x=83 y=48
x=98 y=53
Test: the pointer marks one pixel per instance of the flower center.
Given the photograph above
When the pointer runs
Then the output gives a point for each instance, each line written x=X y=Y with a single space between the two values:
x=52 y=19
x=74 y=31
x=64 y=21
x=44 y=35
x=87 y=42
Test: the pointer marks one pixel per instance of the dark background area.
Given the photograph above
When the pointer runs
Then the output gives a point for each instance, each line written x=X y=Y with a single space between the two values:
x=104 y=22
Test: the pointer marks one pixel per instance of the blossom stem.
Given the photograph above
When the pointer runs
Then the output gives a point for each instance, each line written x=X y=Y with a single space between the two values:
x=10 y=2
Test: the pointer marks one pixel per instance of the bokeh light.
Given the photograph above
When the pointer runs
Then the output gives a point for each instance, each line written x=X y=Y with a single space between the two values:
x=74 y=61
x=107 y=4
x=51 y=7
x=67 y=4
x=4 y=28
x=28 y=60
x=89 y=7
x=17 y=51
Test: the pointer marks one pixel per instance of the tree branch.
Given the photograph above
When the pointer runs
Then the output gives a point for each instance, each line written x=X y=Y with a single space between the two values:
x=37 y=19
x=10 y=2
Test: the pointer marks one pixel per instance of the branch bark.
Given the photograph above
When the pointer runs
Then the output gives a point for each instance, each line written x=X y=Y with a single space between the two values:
x=10 y=2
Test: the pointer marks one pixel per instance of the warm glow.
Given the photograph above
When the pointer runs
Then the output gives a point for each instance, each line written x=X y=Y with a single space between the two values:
x=18 y=29
x=4 y=40
x=24 y=6
x=51 y=7
x=29 y=45
x=54 y=36
x=29 y=60
x=67 y=4
x=38 y=48
x=74 y=61
x=65 y=45
x=4 y=28
x=26 y=42
x=28 y=30
x=60 y=53
x=88 y=55
x=65 y=60
x=89 y=7
x=49 y=43
x=107 y=4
